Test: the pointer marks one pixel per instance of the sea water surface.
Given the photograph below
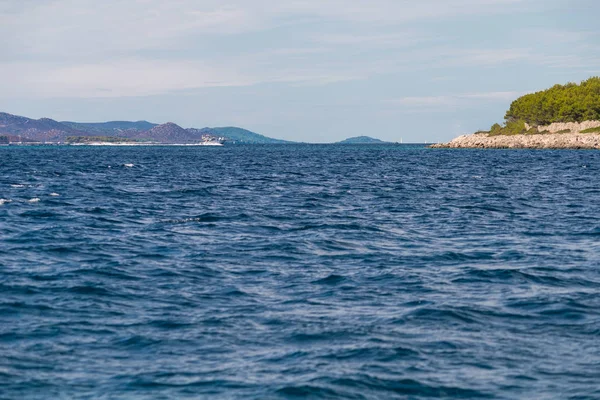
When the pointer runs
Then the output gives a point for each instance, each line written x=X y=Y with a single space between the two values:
x=299 y=271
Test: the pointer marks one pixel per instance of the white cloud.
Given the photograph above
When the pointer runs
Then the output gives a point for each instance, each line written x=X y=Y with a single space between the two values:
x=80 y=28
x=558 y=36
x=454 y=100
x=114 y=79
x=492 y=96
x=117 y=48
x=135 y=77
x=394 y=11
x=373 y=40
x=486 y=57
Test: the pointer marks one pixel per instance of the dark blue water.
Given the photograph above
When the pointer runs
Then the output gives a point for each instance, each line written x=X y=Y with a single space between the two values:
x=281 y=272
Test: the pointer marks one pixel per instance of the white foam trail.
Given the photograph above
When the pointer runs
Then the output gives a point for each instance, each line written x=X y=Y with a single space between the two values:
x=17 y=186
x=54 y=194
x=34 y=200
x=4 y=201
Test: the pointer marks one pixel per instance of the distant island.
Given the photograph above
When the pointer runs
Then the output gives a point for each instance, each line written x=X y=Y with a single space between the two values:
x=15 y=129
x=564 y=116
x=361 y=140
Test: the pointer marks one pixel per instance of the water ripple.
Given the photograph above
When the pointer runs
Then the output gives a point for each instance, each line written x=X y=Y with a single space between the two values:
x=326 y=272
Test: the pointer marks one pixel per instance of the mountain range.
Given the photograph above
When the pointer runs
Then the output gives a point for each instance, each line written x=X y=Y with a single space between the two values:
x=49 y=130
x=14 y=128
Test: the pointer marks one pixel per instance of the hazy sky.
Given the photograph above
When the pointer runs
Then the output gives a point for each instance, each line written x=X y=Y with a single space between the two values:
x=309 y=70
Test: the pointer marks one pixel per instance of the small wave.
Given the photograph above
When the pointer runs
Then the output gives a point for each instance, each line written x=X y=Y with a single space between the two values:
x=54 y=194
x=5 y=201
x=34 y=200
x=129 y=165
x=435 y=314
x=20 y=306
x=304 y=391
x=198 y=219
x=407 y=387
x=379 y=353
x=331 y=280
x=17 y=186
x=135 y=341
x=89 y=290
x=208 y=217
x=169 y=325
x=7 y=373
x=39 y=213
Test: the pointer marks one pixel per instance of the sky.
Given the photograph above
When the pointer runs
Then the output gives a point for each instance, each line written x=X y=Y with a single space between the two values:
x=303 y=70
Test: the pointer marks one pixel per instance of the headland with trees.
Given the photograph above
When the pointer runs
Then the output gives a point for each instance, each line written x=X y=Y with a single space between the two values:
x=564 y=116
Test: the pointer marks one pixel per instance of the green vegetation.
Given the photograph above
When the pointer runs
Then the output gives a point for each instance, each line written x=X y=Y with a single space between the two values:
x=591 y=130
x=239 y=135
x=561 y=103
x=511 y=128
x=97 y=139
x=110 y=128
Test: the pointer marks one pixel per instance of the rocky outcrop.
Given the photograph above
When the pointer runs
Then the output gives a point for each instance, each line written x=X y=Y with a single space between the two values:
x=539 y=141
x=574 y=127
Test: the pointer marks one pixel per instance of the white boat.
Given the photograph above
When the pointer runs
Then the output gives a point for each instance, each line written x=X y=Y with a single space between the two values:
x=212 y=143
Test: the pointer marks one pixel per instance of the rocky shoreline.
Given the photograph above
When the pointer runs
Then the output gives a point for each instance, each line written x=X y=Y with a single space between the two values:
x=546 y=137
x=539 y=141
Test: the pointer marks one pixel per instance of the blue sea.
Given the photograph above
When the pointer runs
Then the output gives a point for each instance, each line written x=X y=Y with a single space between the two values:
x=299 y=271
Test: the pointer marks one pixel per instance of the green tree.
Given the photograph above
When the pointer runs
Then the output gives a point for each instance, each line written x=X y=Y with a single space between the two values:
x=561 y=103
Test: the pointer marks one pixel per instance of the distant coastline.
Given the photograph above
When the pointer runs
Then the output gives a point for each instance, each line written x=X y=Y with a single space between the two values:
x=18 y=130
x=143 y=144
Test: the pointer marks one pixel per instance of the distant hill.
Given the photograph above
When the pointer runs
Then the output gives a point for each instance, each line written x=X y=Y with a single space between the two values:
x=111 y=127
x=239 y=135
x=49 y=130
x=43 y=129
x=172 y=133
x=166 y=133
x=144 y=130
x=361 y=140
